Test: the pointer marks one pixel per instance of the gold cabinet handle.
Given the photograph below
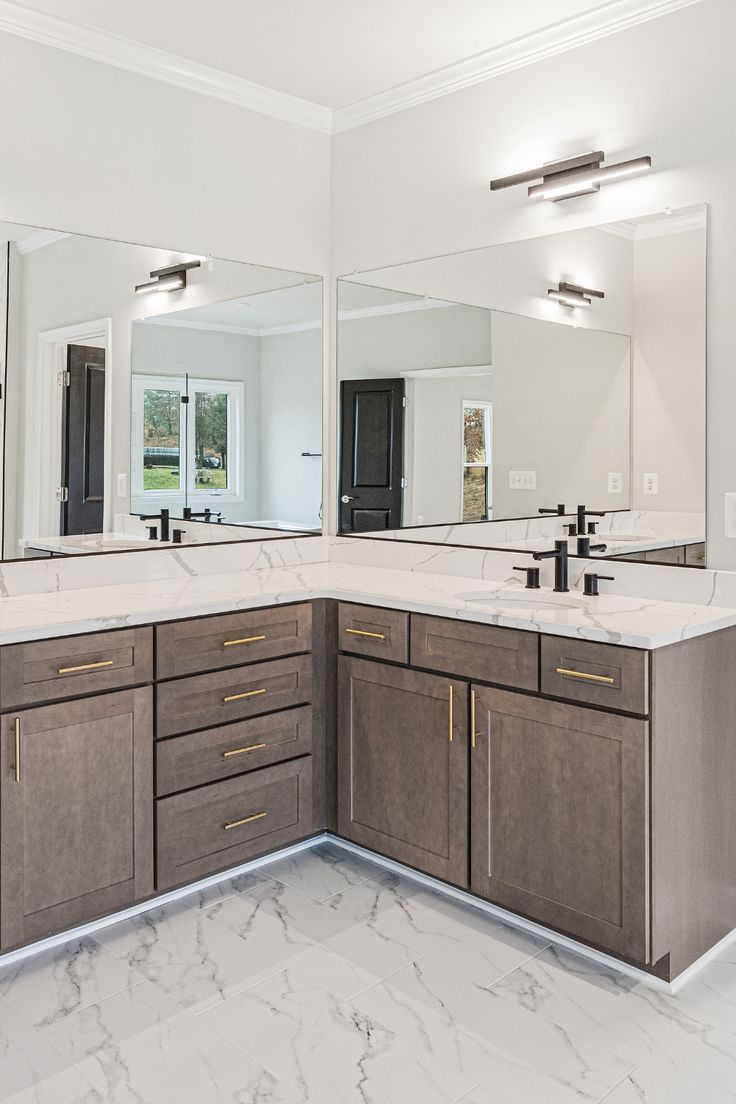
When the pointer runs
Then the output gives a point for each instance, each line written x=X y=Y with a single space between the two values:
x=245 y=694
x=17 y=749
x=473 y=733
x=585 y=676
x=243 y=640
x=86 y=666
x=242 y=751
x=364 y=632
x=450 y=713
x=245 y=820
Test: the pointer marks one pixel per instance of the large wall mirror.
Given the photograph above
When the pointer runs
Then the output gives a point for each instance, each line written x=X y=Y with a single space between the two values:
x=486 y=395
x=153 y=396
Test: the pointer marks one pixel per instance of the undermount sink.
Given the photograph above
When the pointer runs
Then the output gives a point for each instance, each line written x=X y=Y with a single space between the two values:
x=523 y=600
x=115 y=541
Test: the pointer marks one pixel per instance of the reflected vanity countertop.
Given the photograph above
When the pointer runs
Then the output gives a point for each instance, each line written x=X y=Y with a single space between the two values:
x=91 y=542
x=633 y=622
x=616 y=545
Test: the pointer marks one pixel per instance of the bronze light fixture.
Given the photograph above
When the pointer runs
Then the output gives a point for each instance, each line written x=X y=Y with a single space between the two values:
x=574 y=295
x=173 y=278
x=573 y=176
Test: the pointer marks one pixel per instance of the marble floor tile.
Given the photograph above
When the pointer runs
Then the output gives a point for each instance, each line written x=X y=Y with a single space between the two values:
x=481 y=1094
x=54 y=983
x=351 y=961
x=136 y=1049
x=329 y=1052
x=323 y=871
x=641 y=1087
x=34 y=1072
x=464 y=938
x=675 y=1039
x=183 y=950
x=713 y=989
x=502 y=1046
x=211 y=895
x=277 y=920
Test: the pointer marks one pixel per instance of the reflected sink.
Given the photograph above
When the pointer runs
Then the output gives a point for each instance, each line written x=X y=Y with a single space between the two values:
x=523 y=600
x=117 y=541
x=614 y=536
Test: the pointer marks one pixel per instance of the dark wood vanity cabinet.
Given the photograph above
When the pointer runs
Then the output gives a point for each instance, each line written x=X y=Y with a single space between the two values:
x=402 y=765
x=560 y=817
x=76 y=812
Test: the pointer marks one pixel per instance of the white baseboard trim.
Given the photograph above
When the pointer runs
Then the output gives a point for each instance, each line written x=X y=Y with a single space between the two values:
x=510 y=918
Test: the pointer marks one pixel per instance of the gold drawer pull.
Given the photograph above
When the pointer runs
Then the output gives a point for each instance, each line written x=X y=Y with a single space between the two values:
x=362 y=632
x=584 y=675
x=245 y=820
x=17 y=749
x=245 y=694
x=86 y=666
x=242 y=751
x=243 y=640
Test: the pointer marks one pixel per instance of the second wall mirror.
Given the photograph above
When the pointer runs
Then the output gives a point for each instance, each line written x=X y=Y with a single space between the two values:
x=486 y=395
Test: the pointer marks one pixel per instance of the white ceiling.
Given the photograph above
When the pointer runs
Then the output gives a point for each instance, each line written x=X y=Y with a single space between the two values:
x=335 y=53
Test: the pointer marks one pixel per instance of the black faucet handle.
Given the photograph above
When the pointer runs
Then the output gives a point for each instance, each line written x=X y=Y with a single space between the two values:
x=176 y=535
x=152 y=532
x=593 y=528
x=572 y=529
x=590 y=583
x=532 y=577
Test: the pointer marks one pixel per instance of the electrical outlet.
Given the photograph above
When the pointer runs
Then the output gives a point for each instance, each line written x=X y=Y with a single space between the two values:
x=420 y=519
x=122 y=485
x=615 y=483
x=523 y=480
x=650 y=483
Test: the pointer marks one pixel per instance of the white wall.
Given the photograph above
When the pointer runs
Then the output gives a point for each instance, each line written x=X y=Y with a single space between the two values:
x=669 y=371
x=159 y=350
x=415 y=184
x=291 y=423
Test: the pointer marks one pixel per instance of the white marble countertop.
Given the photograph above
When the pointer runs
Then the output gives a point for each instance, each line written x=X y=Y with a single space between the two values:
x=634 y=622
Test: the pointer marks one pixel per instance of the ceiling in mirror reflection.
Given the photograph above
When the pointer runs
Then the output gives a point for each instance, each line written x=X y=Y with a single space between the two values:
x=514 y=402
x=227 y=447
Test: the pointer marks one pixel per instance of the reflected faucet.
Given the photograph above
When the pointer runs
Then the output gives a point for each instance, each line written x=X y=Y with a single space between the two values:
x=559 y=555
x=583 y=512
x=559 y=509
x=585 y=547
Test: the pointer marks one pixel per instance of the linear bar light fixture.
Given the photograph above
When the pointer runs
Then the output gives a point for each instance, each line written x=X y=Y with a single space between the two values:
x=573 y=295
x=173 y=278
x=573 y=176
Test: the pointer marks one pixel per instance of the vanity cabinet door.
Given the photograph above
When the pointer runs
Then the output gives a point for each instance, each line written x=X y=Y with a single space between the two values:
x=76 y=813
x=403 y=782
x=560 y=818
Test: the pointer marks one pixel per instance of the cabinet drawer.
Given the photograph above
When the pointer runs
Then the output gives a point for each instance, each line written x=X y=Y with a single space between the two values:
x=72 y=666
x=485 y=652
x=200 y=757
x=599 y=674
x=370 y=631
x=219 y=826
x=211 y=643
x=210 y=700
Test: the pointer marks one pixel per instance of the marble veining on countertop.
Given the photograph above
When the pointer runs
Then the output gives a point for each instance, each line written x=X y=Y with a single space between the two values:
x=632 y=621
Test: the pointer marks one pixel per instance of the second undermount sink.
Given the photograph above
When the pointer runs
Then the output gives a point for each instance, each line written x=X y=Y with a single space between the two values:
x=523 y=599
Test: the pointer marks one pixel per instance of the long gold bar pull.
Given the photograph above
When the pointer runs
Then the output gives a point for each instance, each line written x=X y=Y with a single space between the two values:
x=17 y=749
x=243 y=640
x=364 y=632
x=86 y=666
x=242 y=751
x=245 y=820
x=585 y=675
x=245 y=694
x=472 y=718
x=450 y=713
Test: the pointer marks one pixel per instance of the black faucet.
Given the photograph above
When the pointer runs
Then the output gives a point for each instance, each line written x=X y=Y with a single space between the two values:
x=163 y=517
x=585 y=547
x=560 y=557
x=559 y=509
x=583 y=513
x=206 y=515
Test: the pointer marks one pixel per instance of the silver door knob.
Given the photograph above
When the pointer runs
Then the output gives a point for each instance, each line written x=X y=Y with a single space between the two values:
x=347 y=498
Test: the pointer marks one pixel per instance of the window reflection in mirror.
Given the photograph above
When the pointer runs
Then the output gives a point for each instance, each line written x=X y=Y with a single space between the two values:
x=514 y=402
x=202 y=400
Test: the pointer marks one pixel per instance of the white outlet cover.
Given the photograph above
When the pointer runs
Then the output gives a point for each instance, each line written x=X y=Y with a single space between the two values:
x=615 y=482
x=650 y=483
x=122 y=485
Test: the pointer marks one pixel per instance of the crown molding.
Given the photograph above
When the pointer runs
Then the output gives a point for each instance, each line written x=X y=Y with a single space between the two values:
x=608 y=18
x=39 y=240
x=159 y=65
x=657 y=227
x=567 y=34
x=454 y=372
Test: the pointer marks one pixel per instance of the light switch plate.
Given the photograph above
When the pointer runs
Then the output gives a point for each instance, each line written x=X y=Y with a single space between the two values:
x=523 y=480
x=650 y=483
x=729 y=527
x=615 y=483
x=122 y=485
